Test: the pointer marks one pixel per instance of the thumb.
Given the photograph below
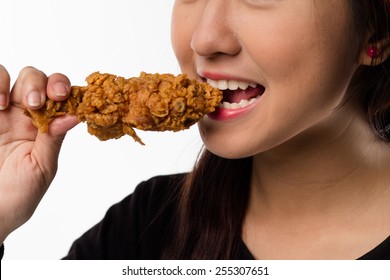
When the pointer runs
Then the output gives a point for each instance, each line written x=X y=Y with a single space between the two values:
x=48 y=145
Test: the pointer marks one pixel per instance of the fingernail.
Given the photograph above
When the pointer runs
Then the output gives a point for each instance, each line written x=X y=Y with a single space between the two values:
x=60 y=89
x=3 y=101
x=34 y=99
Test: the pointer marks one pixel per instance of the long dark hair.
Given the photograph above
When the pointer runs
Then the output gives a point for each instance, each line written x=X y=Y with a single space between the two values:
x=371 y=84
x=214 y=196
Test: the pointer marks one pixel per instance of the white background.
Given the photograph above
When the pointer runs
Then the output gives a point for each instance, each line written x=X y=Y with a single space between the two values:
x=78 y=37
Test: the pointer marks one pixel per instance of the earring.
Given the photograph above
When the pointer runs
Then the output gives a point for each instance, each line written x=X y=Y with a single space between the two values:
x=373 y=52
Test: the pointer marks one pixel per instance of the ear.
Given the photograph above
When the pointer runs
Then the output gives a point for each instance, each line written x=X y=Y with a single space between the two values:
x=382 y=48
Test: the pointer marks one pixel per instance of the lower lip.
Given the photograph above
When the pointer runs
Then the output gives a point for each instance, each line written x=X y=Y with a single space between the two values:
x=222 y=114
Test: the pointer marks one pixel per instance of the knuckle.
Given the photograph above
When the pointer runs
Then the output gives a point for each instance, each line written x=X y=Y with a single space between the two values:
x=31 y=72
x=27 y=69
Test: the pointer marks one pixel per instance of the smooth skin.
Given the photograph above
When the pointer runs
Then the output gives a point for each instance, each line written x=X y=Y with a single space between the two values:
x=320 y=176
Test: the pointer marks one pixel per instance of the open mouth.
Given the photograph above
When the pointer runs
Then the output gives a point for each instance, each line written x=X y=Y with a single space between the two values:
x=237 y=94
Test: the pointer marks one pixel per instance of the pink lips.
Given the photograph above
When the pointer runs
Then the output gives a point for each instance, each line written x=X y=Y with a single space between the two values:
x=221 y=114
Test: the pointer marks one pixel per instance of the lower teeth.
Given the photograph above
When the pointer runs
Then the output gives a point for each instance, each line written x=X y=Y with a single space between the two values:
x=243 y=103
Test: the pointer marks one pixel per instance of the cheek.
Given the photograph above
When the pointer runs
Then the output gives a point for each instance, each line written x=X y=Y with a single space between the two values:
x=288 y=46
x=302 y=69
x=181 y=34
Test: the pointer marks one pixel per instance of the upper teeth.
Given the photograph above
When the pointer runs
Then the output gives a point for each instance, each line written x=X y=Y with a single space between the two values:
x=230 y=84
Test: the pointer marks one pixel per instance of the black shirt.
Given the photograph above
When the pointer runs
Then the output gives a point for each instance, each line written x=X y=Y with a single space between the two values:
x=138 y=227
x=141 y=225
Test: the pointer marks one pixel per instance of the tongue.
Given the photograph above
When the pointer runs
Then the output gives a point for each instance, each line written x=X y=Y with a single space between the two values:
x=235 y=96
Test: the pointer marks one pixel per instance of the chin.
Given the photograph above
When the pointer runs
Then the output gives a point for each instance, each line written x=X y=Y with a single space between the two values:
x=228 y=149
x=224 y=145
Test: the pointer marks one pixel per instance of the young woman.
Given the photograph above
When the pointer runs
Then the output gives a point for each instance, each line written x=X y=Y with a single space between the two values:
x=296 y=162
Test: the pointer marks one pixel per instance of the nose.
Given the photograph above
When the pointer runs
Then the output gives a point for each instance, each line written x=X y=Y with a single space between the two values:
x=214 y=34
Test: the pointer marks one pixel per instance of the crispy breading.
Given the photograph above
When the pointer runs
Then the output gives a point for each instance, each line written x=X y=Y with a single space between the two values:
x=112 y=106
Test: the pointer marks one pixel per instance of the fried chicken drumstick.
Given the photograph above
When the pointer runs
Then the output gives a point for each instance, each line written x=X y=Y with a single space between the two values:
x=112 y=106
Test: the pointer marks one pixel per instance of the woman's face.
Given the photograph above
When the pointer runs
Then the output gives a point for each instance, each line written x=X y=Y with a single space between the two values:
x=292 y=61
